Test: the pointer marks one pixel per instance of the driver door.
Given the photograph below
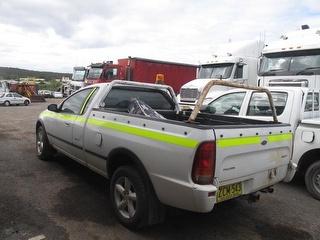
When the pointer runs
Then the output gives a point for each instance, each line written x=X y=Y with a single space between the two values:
x=68 y=113
x=18 y=98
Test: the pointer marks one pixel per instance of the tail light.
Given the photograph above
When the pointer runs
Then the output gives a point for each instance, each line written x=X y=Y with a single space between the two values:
x=204 y=163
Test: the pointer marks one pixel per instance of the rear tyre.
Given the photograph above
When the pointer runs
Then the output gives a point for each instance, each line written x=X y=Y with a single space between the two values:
x=26 y=103
x=6 y=103
x=45 y=151
x=132 y=199
x=312 y=179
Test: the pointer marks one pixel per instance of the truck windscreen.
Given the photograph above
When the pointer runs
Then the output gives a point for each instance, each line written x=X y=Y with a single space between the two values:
x=216 y=70
x=94 y=73
x=78 y=75
x=290 y=63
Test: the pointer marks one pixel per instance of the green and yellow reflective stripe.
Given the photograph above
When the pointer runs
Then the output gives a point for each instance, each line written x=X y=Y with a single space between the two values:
x=153 y=135
x=235 y=142
x=63 y=116
x=164 y=137
x=279 y=137
x=86 y=101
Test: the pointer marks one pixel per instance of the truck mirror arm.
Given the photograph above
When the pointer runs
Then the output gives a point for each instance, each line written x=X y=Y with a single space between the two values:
x=212 y=83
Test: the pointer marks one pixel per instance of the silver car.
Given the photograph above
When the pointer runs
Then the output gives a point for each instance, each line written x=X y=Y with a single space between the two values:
x=13 y=98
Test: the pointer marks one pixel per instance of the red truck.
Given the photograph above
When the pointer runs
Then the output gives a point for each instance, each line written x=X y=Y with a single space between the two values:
x=142 y=70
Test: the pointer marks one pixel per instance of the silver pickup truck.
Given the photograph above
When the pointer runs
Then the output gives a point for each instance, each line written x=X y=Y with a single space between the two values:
x=162 y=158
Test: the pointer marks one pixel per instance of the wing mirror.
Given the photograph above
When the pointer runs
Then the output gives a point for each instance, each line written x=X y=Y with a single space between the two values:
x=208 y=109
x=53 y=108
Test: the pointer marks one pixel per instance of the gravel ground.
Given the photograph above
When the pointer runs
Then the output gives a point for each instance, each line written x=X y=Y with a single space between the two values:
x=63 y=200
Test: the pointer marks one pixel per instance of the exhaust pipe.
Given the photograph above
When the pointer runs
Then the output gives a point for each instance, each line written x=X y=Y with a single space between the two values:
x=267 y=190
x=253 y=197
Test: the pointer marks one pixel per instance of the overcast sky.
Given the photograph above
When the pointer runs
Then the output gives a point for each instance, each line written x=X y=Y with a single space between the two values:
x=56 y=35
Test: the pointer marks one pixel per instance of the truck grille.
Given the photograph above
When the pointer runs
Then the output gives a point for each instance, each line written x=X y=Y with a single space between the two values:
x=189 y=94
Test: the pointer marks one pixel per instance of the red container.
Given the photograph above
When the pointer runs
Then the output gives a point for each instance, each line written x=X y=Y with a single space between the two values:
x=145 y=70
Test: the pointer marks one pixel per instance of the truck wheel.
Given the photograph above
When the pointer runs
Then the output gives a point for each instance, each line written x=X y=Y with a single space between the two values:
x=132 y=198
x=312 y=180
x=44 y=150
x=26 y=102
x=6 y=103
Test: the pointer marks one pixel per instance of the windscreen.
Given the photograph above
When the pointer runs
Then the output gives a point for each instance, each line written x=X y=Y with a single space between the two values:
x=290 y=63
x=78 y=75
x=94 y=73
x=216 y=70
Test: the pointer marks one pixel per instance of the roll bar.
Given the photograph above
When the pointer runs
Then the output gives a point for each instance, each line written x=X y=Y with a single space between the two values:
x=212 y=83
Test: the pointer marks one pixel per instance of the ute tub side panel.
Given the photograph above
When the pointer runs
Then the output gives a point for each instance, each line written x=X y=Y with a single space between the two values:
x=257 y=157
x=165 y=150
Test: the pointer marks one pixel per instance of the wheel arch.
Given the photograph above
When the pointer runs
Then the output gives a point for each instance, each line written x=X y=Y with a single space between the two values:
x=39 y=123
x=122 y=156
x=307 y=159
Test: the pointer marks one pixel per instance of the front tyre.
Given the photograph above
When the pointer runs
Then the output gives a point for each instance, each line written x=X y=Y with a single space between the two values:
x=26 y=103
x=44 y=149
x=7 y=103
x=312 y=179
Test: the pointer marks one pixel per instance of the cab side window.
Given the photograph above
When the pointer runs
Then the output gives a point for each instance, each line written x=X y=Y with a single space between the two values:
x=74 y=103
x=110 y=74
x=17 y=95
x=239 y=72
x=312 y=102
x=259 y=104
x=228 y=104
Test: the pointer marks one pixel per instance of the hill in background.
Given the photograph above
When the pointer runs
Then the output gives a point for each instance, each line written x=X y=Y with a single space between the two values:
x=9 y=73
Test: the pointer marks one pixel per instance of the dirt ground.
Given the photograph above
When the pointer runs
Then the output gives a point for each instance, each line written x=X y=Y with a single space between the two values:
x=61 y=199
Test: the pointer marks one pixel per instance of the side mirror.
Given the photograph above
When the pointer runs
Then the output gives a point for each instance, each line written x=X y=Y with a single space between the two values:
x=208 y=109
x=204 y=108
x=211 y=109
x=53 y=108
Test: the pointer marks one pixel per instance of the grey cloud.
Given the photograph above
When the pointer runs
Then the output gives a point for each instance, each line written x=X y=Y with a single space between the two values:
x=62 y=16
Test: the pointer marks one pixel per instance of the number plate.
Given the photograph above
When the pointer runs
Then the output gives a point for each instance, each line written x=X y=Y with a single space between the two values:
x=229 y=191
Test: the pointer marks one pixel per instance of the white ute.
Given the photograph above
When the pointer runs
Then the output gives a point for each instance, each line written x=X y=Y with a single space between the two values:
x=297 y=106
x=157 y=155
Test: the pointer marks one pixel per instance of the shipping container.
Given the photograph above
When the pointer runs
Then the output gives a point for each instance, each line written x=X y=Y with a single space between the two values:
x=142 y=70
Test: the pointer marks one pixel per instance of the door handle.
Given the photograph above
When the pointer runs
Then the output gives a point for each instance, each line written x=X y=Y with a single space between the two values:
x=67 y=124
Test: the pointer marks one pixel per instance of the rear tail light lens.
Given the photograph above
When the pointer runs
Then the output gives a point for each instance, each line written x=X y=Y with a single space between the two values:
x=204 y=163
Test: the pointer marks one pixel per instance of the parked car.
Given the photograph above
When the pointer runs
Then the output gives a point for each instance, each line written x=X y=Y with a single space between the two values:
x=13 y=98
x=46 y=93
x=134 y=134
x=57 y=94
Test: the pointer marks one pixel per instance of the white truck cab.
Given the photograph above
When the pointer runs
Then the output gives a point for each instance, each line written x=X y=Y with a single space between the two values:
x=236 y=62
x=293 y=60
x=77 y=80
